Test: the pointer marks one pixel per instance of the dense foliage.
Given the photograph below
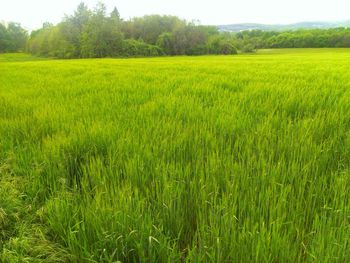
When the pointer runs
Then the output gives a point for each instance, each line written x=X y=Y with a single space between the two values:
x=12 y=38
x=310 y=38
x=96 y=34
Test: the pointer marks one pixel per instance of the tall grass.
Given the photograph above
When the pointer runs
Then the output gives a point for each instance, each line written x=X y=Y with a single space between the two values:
x=205 y=159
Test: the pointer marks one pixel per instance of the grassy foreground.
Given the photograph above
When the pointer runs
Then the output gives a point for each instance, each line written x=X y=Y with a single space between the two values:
x=190 y=159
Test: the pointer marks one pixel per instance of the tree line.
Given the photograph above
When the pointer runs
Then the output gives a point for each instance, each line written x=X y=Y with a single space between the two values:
x=94 y=33
x=303 y=38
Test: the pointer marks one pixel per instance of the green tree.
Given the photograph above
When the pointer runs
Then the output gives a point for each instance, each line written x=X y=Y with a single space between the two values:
x=72 y=27
x=190 y=40
x=3 y=38
x=165 y=42
x=102 y=36
x=13 y=37
x=58 y=45
x=149 y=28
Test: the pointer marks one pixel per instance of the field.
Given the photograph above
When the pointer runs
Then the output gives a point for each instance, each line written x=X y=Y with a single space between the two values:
x=190 y=159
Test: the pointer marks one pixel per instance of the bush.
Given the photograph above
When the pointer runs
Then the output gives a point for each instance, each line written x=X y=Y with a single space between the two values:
x=134 y=48
x=220 y=46
x=197 y=50
x=226 y=48
x=249 y=48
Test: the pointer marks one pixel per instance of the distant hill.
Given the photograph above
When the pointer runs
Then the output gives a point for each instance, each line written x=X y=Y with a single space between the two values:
x=282 y=27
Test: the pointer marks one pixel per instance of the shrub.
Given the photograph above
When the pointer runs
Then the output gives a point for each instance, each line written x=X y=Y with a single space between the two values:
x=218 y=45
x=248 y=48
x=134 y=48
x=226 y=48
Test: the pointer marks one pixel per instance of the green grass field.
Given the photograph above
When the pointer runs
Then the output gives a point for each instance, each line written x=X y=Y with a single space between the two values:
x=190 y=159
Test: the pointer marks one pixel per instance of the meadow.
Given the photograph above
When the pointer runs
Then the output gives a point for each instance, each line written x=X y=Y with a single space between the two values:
x=190 y=159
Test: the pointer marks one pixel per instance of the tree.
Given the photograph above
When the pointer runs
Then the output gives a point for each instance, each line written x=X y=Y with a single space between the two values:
x=150 y=27
x=248 y=48
x=102 y=36
x=72 y=27
x=221 y=45
x=13 y=37
x=165 y=42
x=115 y=16
x=39 y=41
x=58 y=45
x=190 y=40
x=3 y=38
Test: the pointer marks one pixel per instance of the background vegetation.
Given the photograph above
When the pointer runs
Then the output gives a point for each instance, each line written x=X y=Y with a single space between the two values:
x=94 y=34
x=186 y=159
x=13 y=38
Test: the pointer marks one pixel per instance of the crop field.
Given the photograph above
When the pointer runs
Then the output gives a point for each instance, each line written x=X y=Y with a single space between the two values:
x=190 y=159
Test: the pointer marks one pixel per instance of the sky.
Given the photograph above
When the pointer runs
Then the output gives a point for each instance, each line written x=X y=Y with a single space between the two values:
x=33 y=13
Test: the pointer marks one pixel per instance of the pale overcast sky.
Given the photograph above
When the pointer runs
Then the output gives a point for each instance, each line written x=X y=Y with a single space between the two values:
x=32 y=13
